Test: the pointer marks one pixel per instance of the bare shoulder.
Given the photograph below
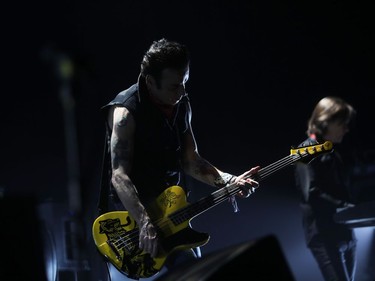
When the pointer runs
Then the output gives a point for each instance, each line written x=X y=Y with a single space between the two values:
x=119 y=117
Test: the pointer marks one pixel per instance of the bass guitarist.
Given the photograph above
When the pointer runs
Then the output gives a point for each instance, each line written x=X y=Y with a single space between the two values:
x=151 y=146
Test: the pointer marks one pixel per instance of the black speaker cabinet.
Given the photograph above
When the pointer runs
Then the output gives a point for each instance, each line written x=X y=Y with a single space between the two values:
x=259 y=260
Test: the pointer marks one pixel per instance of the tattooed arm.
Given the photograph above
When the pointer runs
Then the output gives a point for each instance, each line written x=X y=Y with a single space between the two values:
x=202 y=170
x=122 y=124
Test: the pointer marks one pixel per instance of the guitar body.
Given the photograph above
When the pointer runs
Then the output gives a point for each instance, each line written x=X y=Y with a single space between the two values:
x=116 y=235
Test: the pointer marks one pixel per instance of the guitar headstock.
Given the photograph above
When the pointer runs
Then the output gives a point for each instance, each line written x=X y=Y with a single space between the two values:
x=308 y=153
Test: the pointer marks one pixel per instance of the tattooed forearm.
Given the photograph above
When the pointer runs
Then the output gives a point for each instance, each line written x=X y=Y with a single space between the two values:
x=213 y=176
x=223 y=179
x=203 y=168
x=219 y=182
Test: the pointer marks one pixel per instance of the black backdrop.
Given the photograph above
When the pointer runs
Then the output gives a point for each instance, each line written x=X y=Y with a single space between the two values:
x=258 y=68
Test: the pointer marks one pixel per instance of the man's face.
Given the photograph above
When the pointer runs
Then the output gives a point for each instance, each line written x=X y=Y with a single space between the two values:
x=172 y=86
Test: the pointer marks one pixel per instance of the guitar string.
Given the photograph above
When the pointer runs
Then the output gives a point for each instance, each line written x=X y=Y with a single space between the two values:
x=264 y=172
x=132 y=236
x=229 y=190
x=224 y=193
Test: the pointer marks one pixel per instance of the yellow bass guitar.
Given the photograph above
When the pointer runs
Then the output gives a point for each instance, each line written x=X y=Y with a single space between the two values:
x=116 y=233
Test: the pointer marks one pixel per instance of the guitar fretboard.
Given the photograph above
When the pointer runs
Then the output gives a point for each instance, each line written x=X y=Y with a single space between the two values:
x=222 y=194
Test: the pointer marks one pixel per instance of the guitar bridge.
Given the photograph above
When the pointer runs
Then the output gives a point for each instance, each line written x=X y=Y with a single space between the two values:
x=114 y=249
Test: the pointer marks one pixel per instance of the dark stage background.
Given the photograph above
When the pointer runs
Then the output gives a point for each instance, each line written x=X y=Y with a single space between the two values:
x=258 y=68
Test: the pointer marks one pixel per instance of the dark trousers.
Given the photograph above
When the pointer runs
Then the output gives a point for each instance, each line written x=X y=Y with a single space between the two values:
x=336 y=260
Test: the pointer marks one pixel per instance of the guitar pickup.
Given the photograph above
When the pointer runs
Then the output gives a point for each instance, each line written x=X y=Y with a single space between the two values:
x=114 y=249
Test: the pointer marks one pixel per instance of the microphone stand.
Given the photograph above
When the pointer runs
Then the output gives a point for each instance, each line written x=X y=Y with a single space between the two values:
x=75 y=229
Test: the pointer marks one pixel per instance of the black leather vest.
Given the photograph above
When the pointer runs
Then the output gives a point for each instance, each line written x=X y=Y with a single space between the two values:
x=158 y=146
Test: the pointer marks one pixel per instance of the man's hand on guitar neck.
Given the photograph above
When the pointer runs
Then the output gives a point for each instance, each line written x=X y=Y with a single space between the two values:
x=247 y=184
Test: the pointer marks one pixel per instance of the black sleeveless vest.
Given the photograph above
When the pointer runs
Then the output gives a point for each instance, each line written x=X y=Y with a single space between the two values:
x=158 y=146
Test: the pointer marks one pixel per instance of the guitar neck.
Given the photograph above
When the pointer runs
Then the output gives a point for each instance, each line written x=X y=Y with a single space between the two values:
x=276 y=166
x=226 y=192
x=222 y=194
